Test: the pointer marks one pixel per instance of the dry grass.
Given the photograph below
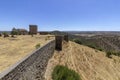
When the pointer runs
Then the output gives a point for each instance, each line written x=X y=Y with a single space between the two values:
x=14 y=49
x=89 y=63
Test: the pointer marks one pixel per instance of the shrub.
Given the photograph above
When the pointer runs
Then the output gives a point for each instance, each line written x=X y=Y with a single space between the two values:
x=92 y=46
x=77 y=41
x=100 y=49
x=32 y=35
x=37 y=46
x=5 y=34
x=14 y=32
x=63 y=73
x=46 y=39
x=109 y=53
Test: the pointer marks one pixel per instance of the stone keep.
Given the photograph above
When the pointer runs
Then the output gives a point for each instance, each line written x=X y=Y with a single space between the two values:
x=33 y=29
x=66 y=38
x=58 y=40
x=0 y=35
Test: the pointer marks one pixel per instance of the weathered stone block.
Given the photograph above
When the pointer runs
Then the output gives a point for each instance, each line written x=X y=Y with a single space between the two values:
x=0 y=35
x=58 y=45
x=66 y=38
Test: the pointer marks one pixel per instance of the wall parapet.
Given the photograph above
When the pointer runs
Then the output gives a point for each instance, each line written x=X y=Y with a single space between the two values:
x=31 y=67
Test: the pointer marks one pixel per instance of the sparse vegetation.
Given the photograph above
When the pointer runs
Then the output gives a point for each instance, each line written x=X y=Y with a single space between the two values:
x=63 y=73
x=47 y=38
x=89 y=44
x=14 y=32
x=109 y=53
x=77 y=41
x=84 y=60
x=5 y=34
x=37 y=46
x=108 y=43
x=18 y=32
x=32 y=35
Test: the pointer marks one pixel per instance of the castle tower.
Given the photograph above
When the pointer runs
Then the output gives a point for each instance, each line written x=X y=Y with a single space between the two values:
x=33 y=29
x=58 y=40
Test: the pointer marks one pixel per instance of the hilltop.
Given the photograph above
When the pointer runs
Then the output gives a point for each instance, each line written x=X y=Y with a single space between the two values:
x=90 y=63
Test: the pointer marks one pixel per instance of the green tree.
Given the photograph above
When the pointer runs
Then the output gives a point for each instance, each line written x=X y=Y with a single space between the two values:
x=14 y=32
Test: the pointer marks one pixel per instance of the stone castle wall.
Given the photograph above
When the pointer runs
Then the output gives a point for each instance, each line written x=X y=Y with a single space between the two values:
x=32 y=67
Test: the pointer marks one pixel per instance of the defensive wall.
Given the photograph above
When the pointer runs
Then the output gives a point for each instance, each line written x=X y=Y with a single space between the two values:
x=33 y=66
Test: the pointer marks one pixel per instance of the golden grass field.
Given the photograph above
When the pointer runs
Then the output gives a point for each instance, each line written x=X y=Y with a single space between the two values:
x=14 y=49
x=91 y=64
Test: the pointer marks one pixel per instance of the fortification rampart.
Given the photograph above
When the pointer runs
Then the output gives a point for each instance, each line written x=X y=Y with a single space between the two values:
x=32 y=67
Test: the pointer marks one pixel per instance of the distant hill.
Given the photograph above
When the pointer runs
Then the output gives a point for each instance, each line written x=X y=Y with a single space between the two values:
x=58 y=33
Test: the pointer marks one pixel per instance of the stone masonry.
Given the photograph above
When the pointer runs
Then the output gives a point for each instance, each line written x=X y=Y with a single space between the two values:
x=33 y=29
x=31 y=67
x=58 y=42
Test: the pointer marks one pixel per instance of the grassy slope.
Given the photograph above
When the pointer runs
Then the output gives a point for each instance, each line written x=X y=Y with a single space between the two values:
x=89 y=63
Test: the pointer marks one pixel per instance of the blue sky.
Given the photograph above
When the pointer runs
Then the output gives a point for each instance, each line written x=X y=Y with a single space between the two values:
x=67 y=15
